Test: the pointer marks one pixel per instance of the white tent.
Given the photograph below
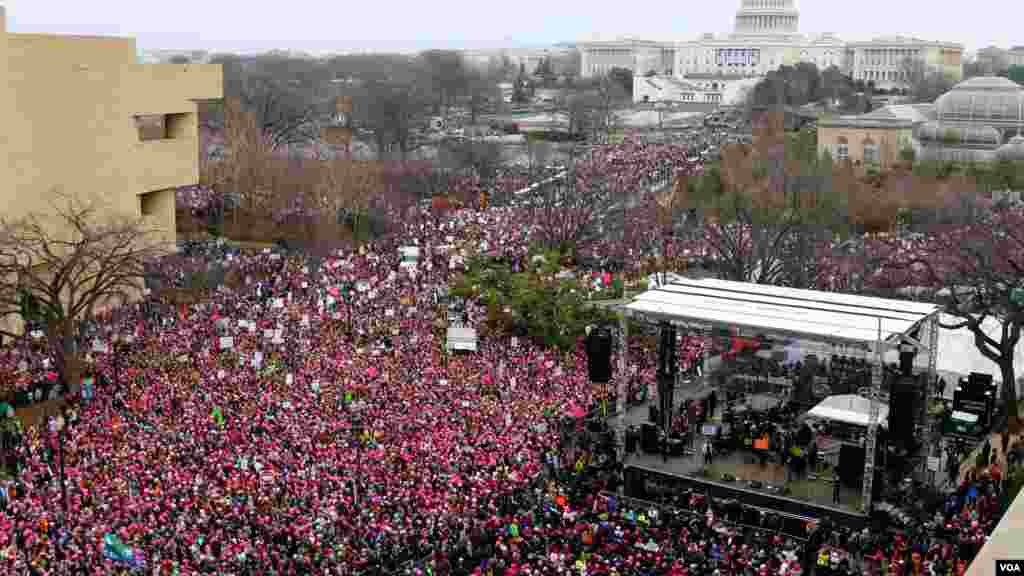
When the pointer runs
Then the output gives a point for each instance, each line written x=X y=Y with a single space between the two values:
x=849 y=408
x=958 y=355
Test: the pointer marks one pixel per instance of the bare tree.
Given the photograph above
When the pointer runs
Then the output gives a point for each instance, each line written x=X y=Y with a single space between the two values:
x=448 y=75
x=284 y=116
x=285 y=95
x=65 y=263
x=576 y=210
x=767 y=207
x=538 y=151
x=978 y=267
x=923 y=83
x=241 y=173
x=583 y=113
x=482 y=90
x=391 y=110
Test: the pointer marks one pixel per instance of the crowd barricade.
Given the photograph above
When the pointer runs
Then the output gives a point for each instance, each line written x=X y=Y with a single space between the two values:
x=641 y=503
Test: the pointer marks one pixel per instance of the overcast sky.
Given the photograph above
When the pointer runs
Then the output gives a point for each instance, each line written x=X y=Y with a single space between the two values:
x=329 y=25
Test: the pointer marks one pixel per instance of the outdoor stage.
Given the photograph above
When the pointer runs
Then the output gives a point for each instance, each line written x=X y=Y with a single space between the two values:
x=805 y=497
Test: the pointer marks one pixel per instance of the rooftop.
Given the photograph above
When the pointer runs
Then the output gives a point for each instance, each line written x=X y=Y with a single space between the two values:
x=822 y=316
x=989 y=83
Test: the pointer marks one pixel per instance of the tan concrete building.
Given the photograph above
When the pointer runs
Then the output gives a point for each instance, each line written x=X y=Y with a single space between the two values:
x=71 y=108
x=875 y=138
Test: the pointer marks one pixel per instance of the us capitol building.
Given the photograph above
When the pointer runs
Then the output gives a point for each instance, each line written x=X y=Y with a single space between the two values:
x=765 y=36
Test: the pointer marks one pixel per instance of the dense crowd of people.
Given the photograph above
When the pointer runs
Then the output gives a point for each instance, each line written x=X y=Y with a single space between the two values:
x=306 y=420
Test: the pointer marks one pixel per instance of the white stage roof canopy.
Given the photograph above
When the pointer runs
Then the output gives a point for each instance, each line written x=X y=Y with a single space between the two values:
x=957 y=354
x=823 y=316
x=849 y=408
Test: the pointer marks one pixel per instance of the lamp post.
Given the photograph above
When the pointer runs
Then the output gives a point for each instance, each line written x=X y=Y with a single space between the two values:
x=115 y=348
x=119 y=343
x=349 y=300
x=57 y=427
x=357 y=430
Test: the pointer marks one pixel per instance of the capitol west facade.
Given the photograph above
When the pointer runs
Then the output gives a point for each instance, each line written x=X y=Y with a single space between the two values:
x=765 y=36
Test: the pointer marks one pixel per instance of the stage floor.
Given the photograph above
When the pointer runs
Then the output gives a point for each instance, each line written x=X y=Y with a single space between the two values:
x=745 y=467
x=742 y=465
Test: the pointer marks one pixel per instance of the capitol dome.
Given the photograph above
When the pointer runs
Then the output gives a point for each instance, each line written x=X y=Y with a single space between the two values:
x=984 y=99
x=771 y=17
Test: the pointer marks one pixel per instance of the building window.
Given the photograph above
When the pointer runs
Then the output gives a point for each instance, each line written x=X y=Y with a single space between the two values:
x=151 y=127
x=841 y=150
x=148 y=204
x=870 y=152
x=162 y=126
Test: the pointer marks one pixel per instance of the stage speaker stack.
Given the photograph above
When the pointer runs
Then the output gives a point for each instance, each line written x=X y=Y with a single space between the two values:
x=907 y=353
x=667 y=349
x=851 y=464
x=632 y=439
x=805 y=385
x=976 y=395
x=666 y=374
x=599 y=355
x=649 y=438
x=904 y=406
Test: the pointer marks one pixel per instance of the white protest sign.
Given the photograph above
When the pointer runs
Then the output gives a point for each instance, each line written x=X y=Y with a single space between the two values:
x=227 y=343
x=289 y=379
